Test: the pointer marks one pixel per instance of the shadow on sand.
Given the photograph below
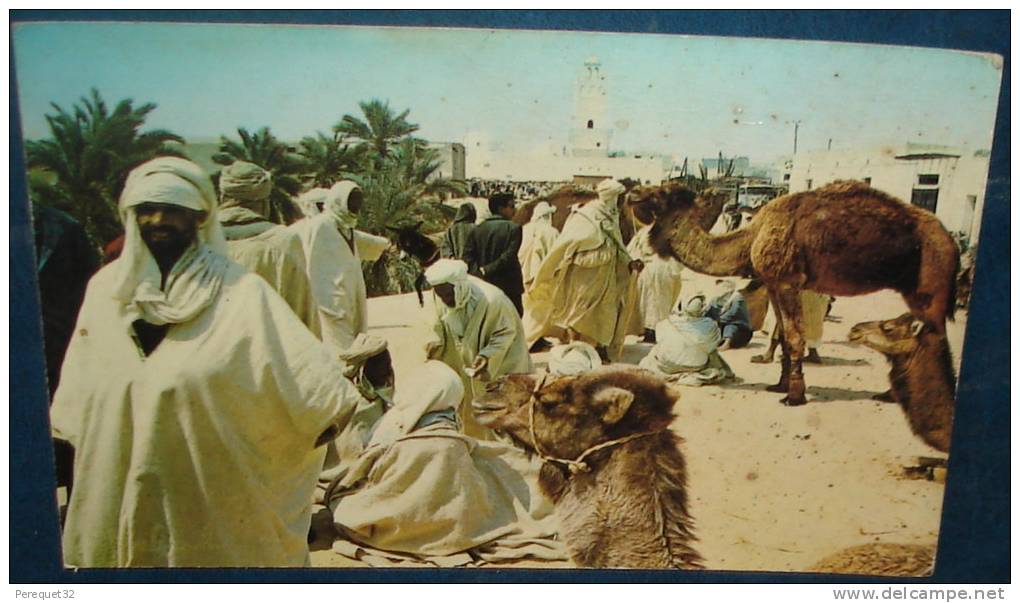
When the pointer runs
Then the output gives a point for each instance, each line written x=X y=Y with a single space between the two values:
x=815 y=393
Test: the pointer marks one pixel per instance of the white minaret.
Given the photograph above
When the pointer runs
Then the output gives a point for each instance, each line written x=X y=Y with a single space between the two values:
x=589 y=136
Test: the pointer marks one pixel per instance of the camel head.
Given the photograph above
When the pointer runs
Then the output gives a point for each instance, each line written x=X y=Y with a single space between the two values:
x=573 y=414
x=650 y=203
x=898 y=336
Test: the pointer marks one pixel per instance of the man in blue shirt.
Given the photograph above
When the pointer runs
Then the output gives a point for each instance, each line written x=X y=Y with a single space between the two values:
x=729 y=310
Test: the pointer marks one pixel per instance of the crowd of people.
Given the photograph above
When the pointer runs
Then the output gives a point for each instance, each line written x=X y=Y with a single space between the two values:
x=220 y=384
x=524 y=190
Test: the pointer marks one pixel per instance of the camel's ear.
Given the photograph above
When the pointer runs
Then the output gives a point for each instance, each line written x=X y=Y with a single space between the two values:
x=614 y=401
x=916 y=327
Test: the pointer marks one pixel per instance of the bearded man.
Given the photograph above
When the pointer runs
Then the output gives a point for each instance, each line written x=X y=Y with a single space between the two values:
x=192 y=395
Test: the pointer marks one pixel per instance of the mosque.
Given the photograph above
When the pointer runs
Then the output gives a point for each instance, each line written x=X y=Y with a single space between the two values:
x=588 y=156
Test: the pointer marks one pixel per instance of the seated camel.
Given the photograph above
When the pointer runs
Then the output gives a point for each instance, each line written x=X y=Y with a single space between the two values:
x=922 y=378
x=612 y=467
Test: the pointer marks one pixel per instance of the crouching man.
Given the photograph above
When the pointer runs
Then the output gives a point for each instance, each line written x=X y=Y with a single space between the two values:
x=478 y=333
x=192 y=395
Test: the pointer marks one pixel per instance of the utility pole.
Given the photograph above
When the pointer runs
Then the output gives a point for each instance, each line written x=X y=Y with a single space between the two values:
x=796 y=129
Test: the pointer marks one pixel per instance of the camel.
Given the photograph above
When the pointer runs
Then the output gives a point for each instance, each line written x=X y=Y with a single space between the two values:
x=843 y=239
x=881 y=559
x=922 y=378
x=613 y=469
x=708 y=207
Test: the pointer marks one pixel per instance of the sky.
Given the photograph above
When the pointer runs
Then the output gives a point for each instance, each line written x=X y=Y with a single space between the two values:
x=678 y=95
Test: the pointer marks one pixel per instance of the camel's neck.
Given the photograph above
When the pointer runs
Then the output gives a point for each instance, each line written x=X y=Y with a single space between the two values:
x=631 y=509
x=723 y=255
x=924 y=385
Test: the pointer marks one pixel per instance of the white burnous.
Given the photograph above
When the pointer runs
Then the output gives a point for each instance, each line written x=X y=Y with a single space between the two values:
x=193 y=405
x=334 y=250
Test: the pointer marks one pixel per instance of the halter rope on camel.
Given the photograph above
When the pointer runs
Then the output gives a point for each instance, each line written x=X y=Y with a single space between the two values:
x=576 y=465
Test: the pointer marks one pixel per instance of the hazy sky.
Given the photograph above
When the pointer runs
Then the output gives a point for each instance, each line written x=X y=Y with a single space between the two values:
x=672 y=94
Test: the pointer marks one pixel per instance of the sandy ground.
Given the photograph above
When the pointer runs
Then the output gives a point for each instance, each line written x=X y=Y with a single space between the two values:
x=772 y=488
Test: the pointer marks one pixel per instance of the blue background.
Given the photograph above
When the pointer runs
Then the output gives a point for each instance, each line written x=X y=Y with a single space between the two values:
x=974 y=541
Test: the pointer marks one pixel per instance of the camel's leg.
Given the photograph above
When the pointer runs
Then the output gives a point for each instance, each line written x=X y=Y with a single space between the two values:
x=793 y=337
x=777 y=334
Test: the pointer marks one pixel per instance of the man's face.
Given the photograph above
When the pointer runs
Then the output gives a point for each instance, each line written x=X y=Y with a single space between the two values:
x=354 y=201
x=507 y=211
x=167 y=229
x=445 y=293
x=379 y=369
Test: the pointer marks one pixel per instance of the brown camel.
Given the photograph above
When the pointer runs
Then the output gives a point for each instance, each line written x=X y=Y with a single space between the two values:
x=880 y=559
x=843 y=239
x=922 y=378
x=612 y=467
x=708 y=207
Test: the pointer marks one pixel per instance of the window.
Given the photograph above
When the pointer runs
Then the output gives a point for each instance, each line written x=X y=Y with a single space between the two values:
x=598 y=144
x=928 y=179
x=786 y=177
x=591 y=124
x=926 y=198
x=809 y=184
x=867 y=180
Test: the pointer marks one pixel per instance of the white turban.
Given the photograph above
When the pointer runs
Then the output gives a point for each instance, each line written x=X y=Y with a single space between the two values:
x=573 y=359
x=308 y=201
x=244 y=181
x=695 y=306
x=363 y=347
x=195 y=280
x=609 y=190
x=171 y=181
x=542 y=210
x=336 y=204
x=452 y=272
x=446 y=271
x=434 y=386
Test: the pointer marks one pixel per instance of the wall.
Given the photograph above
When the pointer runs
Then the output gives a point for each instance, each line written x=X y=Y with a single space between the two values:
x=452 y=160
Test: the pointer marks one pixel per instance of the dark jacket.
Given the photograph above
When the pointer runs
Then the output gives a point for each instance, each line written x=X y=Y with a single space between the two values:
x=491 y=253
x=455 y=239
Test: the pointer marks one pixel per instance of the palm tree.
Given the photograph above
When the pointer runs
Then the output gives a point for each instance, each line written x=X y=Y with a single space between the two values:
x=379 y=130
x=265 y=150
x=329 y=159
x=402 y=193
x=82 y=166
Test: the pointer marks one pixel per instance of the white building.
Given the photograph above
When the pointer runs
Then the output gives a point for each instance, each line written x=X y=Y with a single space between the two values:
x=451 y=160
x=587 y=156
x=947 y=181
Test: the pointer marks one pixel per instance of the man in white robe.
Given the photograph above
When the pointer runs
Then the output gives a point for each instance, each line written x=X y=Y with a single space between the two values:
x=478 y=332
x=423 y=491
x=192 y=395
x=537 y=238
x=655 y=289
x=334 y=250
x=687 y=350
x=370 y=367
x=269 y=250
x=581 y=285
